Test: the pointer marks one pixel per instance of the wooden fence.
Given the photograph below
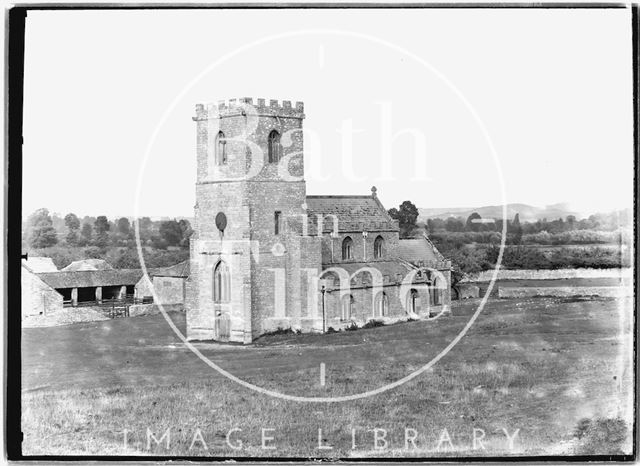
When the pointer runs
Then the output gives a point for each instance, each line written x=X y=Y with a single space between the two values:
x=109 y=302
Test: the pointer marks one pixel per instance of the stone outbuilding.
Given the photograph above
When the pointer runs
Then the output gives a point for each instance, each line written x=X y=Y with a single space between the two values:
x=38 y=298
x=467 y=291
x=169 y=284
x=93 y=286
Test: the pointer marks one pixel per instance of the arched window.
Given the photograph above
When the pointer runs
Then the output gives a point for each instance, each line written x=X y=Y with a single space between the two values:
x=347 y=248
x=377 y=247
x=381 y=305
x=275 y=149
x=347 y=307
x=437 y=291
x=221 y=149
x=221 y=283
x=412 y=301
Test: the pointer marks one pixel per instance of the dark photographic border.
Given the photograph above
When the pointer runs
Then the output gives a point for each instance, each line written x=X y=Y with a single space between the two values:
x=15 y=19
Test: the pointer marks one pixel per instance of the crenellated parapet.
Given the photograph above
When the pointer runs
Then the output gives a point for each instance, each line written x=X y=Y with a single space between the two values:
x=248 y=105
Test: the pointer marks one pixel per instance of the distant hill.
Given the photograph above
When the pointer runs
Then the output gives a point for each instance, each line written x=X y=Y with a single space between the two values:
x=527 y=212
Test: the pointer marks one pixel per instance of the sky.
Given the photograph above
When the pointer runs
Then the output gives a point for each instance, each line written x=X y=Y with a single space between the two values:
x=446 y=108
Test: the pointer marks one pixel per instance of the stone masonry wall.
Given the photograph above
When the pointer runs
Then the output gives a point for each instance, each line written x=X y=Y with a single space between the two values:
x=564 y=291
x=38 y=298
x=249 y=190
x=504 y=274
x=361 y=253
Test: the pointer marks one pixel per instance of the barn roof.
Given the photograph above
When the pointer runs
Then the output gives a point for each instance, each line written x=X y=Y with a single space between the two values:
x=354 y=213
x=87 y=264
x=180 y=269
x=39 y=264
x=91 y=278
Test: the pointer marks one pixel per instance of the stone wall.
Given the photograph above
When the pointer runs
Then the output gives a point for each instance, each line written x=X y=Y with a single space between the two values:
x=38 y=298
x=362 y=248
x=143 y=288
x=363 y=304
x=66 y=316
x=564 y=291
x=136 y=310
x=267 y=269
x=169 y=290
x=467 y=291
x=202 y=311
x=503 y=274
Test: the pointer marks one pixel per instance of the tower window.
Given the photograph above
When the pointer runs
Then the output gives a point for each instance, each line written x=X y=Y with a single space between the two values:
x=377 y=247
x=275 y=149
x=277 y=217
x=347 y=248
x=221 y=149
x=221 y=283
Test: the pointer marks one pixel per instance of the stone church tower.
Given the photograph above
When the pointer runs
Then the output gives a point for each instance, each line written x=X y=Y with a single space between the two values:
x=252 y=270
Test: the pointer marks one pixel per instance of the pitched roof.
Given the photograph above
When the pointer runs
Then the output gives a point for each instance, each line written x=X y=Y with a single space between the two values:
x=87 y=264
x=354 y=213
x=91 y=278
x=40 y=264
x=418 y=249
x=178 y=270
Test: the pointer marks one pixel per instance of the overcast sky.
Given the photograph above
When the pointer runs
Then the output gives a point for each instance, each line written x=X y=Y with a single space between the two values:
x=551 y=88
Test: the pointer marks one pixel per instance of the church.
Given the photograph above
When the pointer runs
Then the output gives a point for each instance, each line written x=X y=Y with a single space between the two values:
x=267 y=256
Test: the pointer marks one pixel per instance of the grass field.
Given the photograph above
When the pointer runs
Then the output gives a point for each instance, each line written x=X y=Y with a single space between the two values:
x=557 y=371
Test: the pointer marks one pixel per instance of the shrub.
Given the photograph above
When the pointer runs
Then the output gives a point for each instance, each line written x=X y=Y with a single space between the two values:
x=353 y=326
x=280 y=331
x=332 y=330
x=373 y=323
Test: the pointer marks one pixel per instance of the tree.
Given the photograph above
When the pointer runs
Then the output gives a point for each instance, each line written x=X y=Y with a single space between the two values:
x=101 y=227
x=58 y=223
x=454 y=224
x=408 y=214
x=86 y=234
x=41 y=231
x=517 y=229
x=472 y=225
x=186 y=230
x=144 y=228
x=72 y=222
x=435 y=224
x=123 y=228
x=171 y=232
x=124 y=258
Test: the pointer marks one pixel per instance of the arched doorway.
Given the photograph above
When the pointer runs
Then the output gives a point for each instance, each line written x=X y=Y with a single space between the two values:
x=221 y=301
x=437 y=291
x=223 y=326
